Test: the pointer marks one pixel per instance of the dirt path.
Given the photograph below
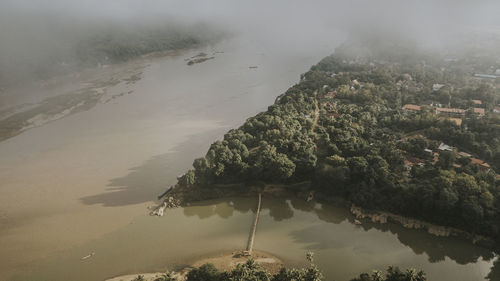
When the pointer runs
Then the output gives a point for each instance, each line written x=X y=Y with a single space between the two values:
x=316 y=112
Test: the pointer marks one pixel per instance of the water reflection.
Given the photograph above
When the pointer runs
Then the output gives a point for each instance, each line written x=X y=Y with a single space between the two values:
x=494 y=274
x=323 y=236
x=224 y=210
x=436 y=248
x=156 y=174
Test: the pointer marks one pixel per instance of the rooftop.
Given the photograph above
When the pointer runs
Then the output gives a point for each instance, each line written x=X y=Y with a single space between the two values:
x=479 y=111
x=450 y=110
x=446 y=147
x=411 y=107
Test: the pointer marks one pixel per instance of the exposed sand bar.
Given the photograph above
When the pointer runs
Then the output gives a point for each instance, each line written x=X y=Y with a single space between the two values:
x=86 y=174
x=224 y=262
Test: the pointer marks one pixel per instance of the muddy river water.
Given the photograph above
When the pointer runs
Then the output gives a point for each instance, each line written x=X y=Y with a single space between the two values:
x=79 y=181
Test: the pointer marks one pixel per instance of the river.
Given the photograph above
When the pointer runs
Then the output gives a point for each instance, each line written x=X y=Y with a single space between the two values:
x=287 y=228
x=79 y=181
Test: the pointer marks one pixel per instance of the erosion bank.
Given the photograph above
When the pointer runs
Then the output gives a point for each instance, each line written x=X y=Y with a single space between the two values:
x=411 y=223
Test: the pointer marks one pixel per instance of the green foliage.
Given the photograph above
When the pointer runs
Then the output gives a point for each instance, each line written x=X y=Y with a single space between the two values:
x=356 y=143
x=250 y=271
x=393 y=274
x=188 y=179
x=166 y=277
x=206 y=272
x=139 y=278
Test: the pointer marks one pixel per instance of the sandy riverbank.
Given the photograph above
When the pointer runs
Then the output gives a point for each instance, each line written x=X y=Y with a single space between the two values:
x=60 y=177
x=223 y=261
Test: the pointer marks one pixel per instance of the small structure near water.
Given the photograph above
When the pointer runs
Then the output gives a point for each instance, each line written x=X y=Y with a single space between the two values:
x=170 y=202
x=251 y=238
x=88 y=256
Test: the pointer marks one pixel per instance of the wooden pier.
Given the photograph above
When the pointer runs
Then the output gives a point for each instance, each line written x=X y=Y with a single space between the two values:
x=253 y=230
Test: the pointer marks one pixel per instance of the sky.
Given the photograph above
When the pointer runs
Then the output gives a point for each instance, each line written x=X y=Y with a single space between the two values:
x=419 y=17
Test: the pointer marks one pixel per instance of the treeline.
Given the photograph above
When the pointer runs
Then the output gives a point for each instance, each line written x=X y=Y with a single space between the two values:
x=359 y=144
x=251 y=271
x=119 y=44
x=63 y=45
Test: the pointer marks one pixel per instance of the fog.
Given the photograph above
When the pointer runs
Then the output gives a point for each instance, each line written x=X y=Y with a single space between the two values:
x=34 y=33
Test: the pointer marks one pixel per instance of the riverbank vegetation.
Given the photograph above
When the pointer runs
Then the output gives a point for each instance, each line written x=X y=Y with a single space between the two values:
x=387 y=127
x=252 y=271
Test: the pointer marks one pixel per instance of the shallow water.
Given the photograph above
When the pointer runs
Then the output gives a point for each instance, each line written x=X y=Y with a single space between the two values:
x=91 y=172
x=287 y=228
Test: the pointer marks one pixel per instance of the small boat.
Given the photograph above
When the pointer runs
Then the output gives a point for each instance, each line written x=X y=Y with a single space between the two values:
x=357 y=222
x=253 y=66
x=88 y=256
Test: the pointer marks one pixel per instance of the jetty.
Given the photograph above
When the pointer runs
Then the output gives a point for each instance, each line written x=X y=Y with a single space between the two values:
x=165 y=193
x=253 y=230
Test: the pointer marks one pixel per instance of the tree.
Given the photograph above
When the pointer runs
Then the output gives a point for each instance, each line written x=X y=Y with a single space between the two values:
x=188 y=179
x=206 y=272
x=166 y=277
x=249 y=271
x=446 y=159
x=393 y=274
x=271 y=165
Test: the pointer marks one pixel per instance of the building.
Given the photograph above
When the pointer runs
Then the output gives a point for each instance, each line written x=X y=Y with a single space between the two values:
x=428 y=151
x=411 y=107
x=332 y=114
x=328 y=106
x=479 y=111
x=496 y=110
x=445 y=147
x=407 y=76
x=331 y=94
x=437 y=87
x=412 y=161
x=477 y=101
x=481 y=164
x=416 y=161
x=447 y=110
x=478 y=75
x=408 y=165
x=464 y=154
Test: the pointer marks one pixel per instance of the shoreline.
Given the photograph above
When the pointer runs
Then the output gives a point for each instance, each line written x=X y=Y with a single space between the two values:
x=382 y=217
x=194 y=194
x=223 y=261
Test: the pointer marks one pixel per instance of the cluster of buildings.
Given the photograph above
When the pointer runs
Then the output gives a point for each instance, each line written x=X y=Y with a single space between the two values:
x=414 y=161
x=452 y=114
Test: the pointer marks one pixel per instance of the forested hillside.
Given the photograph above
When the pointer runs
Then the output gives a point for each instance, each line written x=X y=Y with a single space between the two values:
x=72 y=45
x=386 y=127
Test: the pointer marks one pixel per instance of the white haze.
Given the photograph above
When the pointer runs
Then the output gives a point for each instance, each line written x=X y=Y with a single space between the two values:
x=31 y=30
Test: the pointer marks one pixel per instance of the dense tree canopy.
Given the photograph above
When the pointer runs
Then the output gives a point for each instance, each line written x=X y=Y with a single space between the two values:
x=344 y=129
